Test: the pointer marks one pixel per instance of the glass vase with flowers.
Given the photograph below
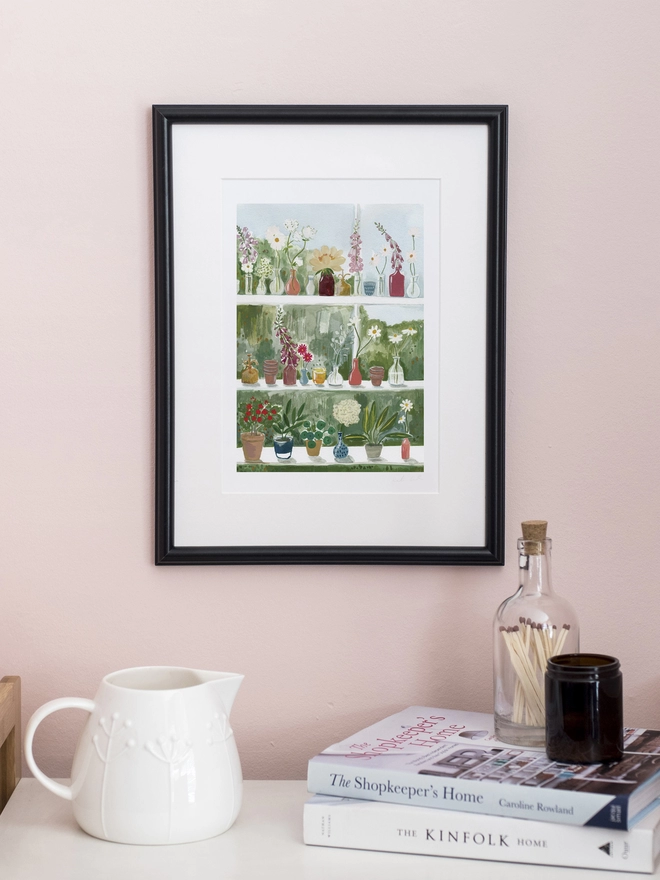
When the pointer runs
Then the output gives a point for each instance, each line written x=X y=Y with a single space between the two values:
x=293 y=248
x=276 y=240
x=306 y=357
x=399 y=341
x=355 y=261
x=247 y=255
x=397 y=279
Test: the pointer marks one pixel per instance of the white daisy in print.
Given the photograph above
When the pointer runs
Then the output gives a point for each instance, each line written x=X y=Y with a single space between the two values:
x=276 y=239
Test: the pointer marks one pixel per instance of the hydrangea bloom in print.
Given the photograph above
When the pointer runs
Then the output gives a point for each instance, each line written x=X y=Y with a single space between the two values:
x=347 y=412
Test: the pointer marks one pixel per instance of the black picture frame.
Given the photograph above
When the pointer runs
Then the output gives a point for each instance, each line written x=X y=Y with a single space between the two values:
x=495 y=119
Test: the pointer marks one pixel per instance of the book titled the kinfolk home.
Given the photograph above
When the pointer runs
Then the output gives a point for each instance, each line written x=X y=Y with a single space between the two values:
x=451 y=760
x=382 y=827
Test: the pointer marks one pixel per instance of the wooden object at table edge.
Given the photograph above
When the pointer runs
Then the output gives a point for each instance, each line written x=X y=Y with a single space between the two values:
x=10 y=736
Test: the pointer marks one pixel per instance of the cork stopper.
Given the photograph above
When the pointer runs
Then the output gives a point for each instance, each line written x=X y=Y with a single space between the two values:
x=534 y=529
x=534 y=533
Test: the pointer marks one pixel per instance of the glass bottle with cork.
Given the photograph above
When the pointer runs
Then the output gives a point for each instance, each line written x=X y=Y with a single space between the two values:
x=530 y=627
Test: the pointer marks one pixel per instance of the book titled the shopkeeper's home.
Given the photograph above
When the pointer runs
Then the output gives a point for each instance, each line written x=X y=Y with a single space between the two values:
x=451 y=760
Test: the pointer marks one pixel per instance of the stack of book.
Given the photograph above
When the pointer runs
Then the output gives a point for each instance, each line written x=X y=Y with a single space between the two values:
x=438 y=782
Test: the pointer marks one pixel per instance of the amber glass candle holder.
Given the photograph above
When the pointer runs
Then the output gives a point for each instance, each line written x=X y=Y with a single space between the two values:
x=583 y=709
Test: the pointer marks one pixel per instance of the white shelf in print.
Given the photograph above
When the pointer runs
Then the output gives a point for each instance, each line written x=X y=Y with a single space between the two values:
x=356 y=455
x=304 y=300
x=261 y=386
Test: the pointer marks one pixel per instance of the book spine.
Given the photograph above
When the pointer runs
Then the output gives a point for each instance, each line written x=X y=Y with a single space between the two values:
x=393 y=828
x=473 y=796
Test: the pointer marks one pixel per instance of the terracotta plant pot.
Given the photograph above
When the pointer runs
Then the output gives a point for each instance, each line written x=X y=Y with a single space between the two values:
x=292 y=287
x=315 y=450
x=270 y=371
x=376 y=374
x=252 y=446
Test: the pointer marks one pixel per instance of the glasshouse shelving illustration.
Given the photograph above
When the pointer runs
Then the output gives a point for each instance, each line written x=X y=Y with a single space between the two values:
x=330 y=338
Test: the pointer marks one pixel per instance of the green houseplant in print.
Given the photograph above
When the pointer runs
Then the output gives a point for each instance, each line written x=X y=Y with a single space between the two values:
x=316 y=435
x=286 y=424
x=377 y=427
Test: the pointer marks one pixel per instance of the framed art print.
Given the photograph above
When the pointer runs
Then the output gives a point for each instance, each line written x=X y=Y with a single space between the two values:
x=330 y=289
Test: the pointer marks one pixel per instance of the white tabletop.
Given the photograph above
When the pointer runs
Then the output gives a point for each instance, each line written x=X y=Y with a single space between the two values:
x=39 y=840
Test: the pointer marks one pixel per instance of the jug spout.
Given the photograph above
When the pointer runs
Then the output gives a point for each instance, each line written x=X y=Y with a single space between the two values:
x=227 y=685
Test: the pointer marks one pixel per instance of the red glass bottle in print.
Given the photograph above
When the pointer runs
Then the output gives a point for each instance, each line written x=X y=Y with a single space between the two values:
x=327 y=284
x=405 y=449
x=356 y=376
x=397 y=284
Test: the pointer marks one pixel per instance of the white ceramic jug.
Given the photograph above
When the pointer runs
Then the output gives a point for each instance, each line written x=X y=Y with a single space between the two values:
x=156 y=761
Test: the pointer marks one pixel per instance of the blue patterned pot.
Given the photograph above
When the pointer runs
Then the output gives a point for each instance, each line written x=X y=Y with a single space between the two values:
x=340 y=451
x=283 y=448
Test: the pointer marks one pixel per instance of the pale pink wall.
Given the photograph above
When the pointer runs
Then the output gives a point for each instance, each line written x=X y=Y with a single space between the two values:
x=324 y=650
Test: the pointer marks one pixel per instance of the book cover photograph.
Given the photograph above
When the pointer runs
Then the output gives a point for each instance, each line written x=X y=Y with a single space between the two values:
x=451 y=760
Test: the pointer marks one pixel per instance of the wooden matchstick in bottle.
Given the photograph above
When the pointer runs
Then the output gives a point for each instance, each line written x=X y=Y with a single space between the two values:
x=530 y=627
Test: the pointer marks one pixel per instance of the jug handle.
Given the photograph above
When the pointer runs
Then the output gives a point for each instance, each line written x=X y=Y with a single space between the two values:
x=63 y=791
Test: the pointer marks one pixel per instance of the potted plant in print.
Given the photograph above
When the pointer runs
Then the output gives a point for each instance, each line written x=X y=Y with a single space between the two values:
x=346 y=412
x=398 y=341
x=255 y=419
x=397 y=280
x=286 y=424
x=289 y=353
x=316 y=435
x=376 y=428
x=324 y=261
